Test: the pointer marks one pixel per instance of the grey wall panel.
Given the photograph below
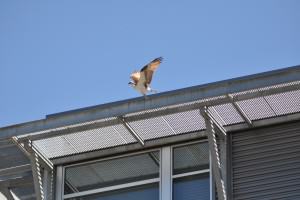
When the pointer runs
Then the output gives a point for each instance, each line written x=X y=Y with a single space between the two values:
x=266 y=163
x=12 y=156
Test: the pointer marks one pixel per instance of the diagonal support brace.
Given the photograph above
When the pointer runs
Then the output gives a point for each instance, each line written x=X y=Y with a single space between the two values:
x=213 y=147
x=207 y=114
x=7 y=193
x=38 y=163
x=27 y=147
x=131 y=130
x=240 y=111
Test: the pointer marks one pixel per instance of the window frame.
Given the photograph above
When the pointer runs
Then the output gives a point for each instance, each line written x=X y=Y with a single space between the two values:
x=165 y=179
x=203 y=171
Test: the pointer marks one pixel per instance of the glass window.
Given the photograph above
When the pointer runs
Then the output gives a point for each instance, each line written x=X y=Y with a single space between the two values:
x=191 y=172
x=144 y=192
x=191 y=187
x=112 y=172
x=190 y=158
x=137 y=176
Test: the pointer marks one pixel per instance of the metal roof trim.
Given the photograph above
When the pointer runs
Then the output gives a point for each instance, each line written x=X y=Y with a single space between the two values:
x=180 y=96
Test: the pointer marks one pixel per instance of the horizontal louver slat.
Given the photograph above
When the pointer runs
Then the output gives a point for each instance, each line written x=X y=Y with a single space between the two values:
x=266 y=163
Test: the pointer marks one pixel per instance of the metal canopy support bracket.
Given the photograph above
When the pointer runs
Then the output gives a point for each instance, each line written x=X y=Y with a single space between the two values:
x=7 y=193
x=213 y=147
x=131 y=130
x=42 y=169
x=240 y=111
x=207 y=115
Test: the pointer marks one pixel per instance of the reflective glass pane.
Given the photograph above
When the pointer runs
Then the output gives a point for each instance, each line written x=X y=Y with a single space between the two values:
x=145 y=192
x=191 y=188
x=190 y=158
x=112 y=172
x=24 y=192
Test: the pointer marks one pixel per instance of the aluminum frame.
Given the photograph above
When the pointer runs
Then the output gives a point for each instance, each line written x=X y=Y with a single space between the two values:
x=165 y=178
x=166 y=174
x=110 y=188
x=204 y=171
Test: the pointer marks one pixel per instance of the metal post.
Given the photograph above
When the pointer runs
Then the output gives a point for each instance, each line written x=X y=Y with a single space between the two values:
x=166 y=174
x=214 y=153
x=59 y=183
x=48 y=184
x=211 y=181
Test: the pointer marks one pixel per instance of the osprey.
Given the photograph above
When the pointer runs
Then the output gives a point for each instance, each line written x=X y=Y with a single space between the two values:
x=141 y=80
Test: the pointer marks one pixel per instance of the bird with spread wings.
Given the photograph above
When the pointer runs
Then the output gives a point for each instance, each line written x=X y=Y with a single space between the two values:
x=140 y=80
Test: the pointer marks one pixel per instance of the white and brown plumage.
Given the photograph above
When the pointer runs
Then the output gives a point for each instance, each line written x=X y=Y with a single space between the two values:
x=141 y=80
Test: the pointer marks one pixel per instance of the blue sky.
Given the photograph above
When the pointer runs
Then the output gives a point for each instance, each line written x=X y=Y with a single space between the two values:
x=61 y=55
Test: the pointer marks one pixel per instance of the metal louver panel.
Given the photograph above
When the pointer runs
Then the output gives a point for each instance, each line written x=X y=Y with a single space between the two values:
x=85 y=141
x=266 y=163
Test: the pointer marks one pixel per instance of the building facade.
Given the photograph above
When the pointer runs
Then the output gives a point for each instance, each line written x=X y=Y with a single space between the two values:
x=236 y=139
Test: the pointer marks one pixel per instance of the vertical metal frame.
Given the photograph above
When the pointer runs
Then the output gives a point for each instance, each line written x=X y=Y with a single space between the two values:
x=59 y=184
x=37 y=176
x=166 y=174
x=214 y=152
x=48 y=184
x=229 y=171
x=211 y=180
x=42 y=177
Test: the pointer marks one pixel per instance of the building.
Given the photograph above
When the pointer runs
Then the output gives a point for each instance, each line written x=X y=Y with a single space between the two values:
x=235 y=139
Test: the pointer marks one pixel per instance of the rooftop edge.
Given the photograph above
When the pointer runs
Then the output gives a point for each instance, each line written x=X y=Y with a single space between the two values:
x=178 y=96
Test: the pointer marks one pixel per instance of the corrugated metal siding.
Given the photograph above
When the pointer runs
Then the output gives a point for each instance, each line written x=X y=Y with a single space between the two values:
x=266 y=163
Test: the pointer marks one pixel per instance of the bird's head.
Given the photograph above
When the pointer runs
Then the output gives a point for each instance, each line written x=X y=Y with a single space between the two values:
x=131 y=83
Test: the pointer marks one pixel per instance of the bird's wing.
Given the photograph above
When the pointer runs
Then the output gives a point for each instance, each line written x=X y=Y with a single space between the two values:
x=135 y=76
x=150 y=68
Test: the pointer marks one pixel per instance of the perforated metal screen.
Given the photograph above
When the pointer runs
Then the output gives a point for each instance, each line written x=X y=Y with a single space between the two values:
x=178 y=122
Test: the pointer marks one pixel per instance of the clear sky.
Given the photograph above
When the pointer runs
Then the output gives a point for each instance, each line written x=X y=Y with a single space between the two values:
x=66 y=54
